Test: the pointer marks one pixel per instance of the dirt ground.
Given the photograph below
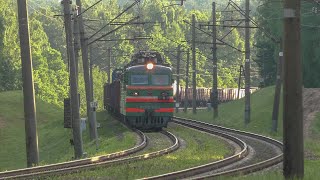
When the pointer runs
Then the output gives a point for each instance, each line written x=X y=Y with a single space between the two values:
x=311 y=105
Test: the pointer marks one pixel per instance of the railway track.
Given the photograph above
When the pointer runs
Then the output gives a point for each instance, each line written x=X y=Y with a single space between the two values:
x=249 y=160
x=91 y=163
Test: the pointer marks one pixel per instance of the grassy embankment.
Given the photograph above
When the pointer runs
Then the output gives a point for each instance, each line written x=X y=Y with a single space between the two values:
x=53 y=138
x=54 y=144
x=197 y=148
x=232 y=115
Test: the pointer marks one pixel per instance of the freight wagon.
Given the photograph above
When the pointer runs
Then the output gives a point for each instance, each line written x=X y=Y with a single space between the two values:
x=203 y=95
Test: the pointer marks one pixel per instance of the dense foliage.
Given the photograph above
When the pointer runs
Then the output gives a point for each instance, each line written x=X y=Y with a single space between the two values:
x=167 y=25
x=269 y=16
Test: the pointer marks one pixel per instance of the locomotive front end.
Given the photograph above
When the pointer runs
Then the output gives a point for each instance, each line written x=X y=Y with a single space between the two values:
x=148 y=96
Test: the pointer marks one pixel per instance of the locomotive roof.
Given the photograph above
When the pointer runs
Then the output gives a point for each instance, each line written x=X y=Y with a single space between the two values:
x=156 y=68
x=142 y=54
x=143 y=57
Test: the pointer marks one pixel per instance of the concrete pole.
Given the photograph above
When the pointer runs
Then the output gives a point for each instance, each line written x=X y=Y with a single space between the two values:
x=90 y=70
x=214 y=62
x=76 y=44
x=247 y=66
x=293 y=162
x=109 y=66
x=194 y=67
x=239 y=81
x=77 y=138
x=276 y=102
x=178 y=79
x=94 y=119
x=28 y=87
x=186 y=100
x=87 y=83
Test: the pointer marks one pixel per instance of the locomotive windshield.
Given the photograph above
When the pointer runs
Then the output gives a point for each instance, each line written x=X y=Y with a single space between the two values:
x=147 y=59
x=139 y=79
x=160 y=79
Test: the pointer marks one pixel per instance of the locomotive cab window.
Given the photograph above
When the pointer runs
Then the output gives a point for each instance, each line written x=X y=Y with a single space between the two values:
x=139 y=79
x=160 y=79
x=154 y=60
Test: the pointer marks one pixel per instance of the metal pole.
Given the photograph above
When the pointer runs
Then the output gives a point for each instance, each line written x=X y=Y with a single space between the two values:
x=247 y=67
x=28 y=87
x=194 y=68
x=85 y=62
x=186 y=100
x=77 y=139
x=276 y=102
x=178 y=79
x=214 y=62
x=293 y=164
x=109 y=65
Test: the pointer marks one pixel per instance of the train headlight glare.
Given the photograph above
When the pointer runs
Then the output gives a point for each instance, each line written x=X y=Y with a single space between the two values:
x=135 y=93
x=150 y=66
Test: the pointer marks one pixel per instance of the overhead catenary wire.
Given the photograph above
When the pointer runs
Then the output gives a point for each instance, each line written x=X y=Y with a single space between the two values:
x=128 y=8
x=89 y=8
x=231 y=30
x=135 y=18
x=233 y=4
x=217 y=38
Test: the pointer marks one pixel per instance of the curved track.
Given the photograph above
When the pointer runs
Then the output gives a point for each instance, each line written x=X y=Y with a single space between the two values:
x=261 y=152
x=140 y=146
x=77 y=166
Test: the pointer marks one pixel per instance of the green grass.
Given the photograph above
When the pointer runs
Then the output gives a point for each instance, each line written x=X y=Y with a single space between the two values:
x=199 y=148
x=231 y=115
x=53 y=138
x=313 y=144
x=156 y=142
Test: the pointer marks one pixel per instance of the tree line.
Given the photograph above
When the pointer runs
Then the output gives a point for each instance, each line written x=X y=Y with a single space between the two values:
x=166 y=25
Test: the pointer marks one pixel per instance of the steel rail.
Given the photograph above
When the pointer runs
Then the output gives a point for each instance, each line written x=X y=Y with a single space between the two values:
x=142 y=144
x=238 y=171
x=210 y=166
x=75 y=169
x=246 y=169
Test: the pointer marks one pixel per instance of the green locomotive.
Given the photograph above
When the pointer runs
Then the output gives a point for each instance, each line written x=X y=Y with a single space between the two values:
x=142 y=93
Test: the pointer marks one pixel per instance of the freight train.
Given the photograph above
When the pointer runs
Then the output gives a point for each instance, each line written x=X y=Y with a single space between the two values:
x=142 y=93
x=204 y=96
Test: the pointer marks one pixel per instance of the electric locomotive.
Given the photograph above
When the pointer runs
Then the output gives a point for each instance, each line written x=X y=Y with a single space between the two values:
x=142 y=93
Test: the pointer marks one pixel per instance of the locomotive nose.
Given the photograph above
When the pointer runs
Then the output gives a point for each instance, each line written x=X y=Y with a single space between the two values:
x=149 y=112
x=164 y=96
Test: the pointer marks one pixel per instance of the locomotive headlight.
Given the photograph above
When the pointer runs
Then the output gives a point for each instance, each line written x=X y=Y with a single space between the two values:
x=164 y=94
x=135 y=94
x=149 y=66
